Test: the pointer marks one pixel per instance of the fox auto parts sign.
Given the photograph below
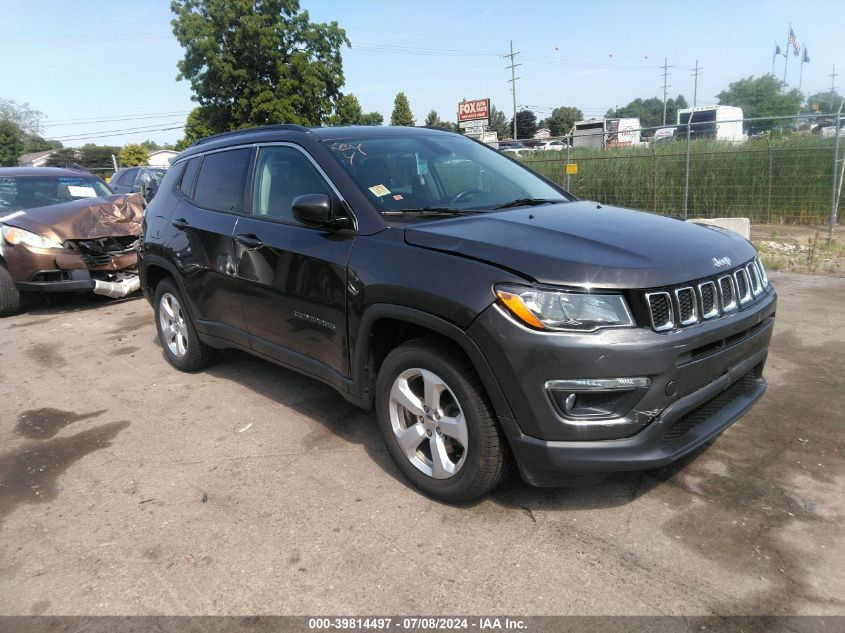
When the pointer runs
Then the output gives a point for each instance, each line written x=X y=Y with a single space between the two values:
x=474 y=110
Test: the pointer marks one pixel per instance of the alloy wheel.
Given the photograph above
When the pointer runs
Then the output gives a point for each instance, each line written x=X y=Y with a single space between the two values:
x=428 y=423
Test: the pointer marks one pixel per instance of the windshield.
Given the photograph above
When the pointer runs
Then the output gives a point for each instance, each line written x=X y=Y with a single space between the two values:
x=29 y=192
x=437 y=172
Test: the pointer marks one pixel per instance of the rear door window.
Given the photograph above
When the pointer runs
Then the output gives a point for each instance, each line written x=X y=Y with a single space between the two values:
x=222 y=180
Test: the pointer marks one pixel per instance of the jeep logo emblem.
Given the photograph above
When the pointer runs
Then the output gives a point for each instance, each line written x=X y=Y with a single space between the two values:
x=722 y=261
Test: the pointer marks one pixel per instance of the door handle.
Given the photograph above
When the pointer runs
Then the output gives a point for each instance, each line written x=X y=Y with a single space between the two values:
x=251 y=241
x=180 y=223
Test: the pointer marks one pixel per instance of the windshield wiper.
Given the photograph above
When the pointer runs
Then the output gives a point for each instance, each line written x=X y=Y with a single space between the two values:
x=527 y=202
x=429 y=211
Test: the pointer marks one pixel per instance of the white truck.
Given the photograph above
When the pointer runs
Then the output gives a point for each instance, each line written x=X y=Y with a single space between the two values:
x=601 y=133
x=716 y=122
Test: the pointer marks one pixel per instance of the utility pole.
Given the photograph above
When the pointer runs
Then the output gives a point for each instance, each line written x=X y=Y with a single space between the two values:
x=695 y=84
x=512 y=82
x=833 y=83
x=666 y=86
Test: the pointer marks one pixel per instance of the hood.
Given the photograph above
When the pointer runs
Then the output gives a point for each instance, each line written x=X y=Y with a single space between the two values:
x=587 y=245
x=89 y=218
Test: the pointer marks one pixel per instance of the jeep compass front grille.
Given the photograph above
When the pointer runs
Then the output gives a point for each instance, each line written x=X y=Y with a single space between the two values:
x=693 y=303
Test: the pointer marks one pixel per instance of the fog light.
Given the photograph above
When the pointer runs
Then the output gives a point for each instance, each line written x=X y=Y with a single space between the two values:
x=596 y=398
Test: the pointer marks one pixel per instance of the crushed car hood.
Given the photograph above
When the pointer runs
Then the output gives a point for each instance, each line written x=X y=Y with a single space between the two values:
x=108 y=216
x=587 y=245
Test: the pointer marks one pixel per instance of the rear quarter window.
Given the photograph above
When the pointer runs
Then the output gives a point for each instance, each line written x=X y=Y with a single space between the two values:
x=222 y=180
x=190 y=172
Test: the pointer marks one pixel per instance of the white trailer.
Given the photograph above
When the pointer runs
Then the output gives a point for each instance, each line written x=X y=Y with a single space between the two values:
x=716 y=122
x=601 y=133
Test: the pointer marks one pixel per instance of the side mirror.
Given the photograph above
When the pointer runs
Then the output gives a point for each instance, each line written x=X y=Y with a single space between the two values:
x=317 y=209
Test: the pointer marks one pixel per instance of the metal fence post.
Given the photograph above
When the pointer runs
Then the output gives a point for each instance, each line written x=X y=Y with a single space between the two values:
x=654 y=177
x=834 y=190
x=769 y=194
x=567 y=164
x=686 y=171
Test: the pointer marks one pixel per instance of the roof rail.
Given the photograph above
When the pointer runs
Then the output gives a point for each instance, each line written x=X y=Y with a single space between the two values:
x=293 y=127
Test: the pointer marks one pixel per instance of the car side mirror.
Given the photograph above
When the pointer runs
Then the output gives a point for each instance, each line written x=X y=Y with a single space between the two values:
x=318 y=209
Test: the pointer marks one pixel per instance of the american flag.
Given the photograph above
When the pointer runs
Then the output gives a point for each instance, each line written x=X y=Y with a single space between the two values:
x=792 y=40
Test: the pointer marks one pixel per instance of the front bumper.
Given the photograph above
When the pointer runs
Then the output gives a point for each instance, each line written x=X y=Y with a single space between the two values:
x=57 y=281
x=713 y=372
x=62 y=270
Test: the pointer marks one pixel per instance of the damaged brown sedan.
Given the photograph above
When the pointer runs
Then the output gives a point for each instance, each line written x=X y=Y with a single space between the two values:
x=64 y=230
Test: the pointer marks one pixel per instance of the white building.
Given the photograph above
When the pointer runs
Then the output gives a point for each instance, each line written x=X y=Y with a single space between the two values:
x=161 y=158
x=35 y=159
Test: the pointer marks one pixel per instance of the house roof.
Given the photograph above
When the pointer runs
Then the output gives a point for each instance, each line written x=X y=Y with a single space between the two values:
x=33 y=156
x=163 y=151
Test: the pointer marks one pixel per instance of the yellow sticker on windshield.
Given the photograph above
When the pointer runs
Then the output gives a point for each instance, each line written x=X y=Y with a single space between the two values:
x=380 y=190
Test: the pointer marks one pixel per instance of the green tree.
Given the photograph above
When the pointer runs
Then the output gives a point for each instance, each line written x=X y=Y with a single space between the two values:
x=824 y=102
x=347 y=111
x=97 y=156
x=11 y=144
x=372 y=118
x=432 y=119
x=255 y=62
x=526 y=124
x=196 y=127
x=133 y=155
x=761 y=97
x=151 y=146
x=63 y=156
x=650 y=111
x=27 y=119
x=35 y=143
x=402 y=114
x=499 y=123
x=561 y=120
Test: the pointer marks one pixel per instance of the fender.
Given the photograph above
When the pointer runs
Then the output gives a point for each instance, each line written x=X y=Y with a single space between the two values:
x=374 y=312
x=151 y=259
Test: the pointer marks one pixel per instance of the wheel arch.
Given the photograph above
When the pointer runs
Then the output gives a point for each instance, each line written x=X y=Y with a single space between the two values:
x=384 y=326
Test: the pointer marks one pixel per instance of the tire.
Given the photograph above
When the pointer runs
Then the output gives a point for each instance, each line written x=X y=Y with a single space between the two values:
x=176 y=333
x=10 y=296
x=427 y=442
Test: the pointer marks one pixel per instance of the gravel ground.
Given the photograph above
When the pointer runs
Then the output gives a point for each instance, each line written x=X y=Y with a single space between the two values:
x=127 y=487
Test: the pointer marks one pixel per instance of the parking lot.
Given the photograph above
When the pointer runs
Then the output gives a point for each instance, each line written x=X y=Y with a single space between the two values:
x=127 y=487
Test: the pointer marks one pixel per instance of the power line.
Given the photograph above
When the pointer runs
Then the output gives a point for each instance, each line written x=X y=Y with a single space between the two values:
x=115 y=119
x=86 y=135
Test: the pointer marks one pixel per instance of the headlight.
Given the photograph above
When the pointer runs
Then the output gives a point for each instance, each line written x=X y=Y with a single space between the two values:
x=561 y=310
x=14 y=235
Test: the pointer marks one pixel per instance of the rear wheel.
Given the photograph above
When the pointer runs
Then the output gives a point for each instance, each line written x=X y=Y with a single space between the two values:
x=10 y=296
x=437 y=423
x=182 y=347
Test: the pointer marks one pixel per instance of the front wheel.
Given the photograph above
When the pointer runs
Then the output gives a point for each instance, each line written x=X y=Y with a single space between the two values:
x=437 y=423
x=10 y=297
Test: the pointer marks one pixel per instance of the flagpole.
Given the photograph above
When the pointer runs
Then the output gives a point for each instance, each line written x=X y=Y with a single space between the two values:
x=801 y=72
x=775 y=54
x=786 y=56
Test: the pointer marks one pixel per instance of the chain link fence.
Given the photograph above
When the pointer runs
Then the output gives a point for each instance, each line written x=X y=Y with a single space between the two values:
x=776 y=171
